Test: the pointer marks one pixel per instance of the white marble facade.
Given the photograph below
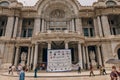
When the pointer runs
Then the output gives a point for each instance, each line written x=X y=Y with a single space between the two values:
x=59 y=24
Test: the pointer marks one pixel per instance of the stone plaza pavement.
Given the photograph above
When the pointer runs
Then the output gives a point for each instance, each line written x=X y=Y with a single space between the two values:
x=57 y=76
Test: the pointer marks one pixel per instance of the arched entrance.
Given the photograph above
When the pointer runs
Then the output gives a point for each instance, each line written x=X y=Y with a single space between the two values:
x=118 y=52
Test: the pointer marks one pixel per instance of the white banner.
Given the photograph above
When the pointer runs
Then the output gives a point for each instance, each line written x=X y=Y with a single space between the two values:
x=59 y=60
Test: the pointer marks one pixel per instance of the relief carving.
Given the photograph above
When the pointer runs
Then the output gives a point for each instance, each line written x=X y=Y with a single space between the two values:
x=57 y=14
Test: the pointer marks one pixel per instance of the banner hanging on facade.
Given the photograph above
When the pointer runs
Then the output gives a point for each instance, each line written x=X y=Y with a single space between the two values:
x=59 y=60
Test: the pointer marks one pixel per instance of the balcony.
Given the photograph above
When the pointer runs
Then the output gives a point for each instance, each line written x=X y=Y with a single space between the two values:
x=59 y=35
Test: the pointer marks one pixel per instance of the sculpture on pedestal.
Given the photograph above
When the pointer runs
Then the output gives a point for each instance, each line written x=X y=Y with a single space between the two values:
x=92 y=57
x=23 y=58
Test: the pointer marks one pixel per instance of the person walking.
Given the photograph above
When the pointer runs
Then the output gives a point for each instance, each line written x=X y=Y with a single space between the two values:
x=101 y=70
x=35 y=72
x=79 y=69
x=22 y=74
x=91 y=71
x=10 y=69
x=104 y=71
x=114 y=73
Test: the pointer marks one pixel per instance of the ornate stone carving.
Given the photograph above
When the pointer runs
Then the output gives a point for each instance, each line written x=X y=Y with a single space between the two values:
x=92 y=57
x=57 y=14
x=23 y=56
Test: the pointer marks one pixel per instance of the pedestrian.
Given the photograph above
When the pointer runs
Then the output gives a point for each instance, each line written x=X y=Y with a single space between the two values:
x=10 y=69
x=91 y=71
x=114 y=73
x=19 y=68
x=101 y=70
x=22 y=74
x=79 y=69
x=35 y=72
x=104 y=71
x=31 y=66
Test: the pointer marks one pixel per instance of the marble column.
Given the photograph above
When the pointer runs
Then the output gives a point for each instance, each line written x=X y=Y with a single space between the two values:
x=84 y=55
x=15 y=28
x=68 y=25
x=87 y=56
x=100 y=27
x=43 y=25
x=96 y=27
x=73 y=25
x=20 y=27
x=37 y=26
x=28 y=59
x=79 y=26
x=106 y=26
x=99 y=54
x=32 y=54
x=35 y=56
x=9 y=27
x=49 y=45
x=16 y=56
x=80 y=55
x=47 y=25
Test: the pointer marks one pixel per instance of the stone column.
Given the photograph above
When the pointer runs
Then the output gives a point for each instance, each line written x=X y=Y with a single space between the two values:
x=43 y=25
x=106 y=26
x=66 y=45
x=80 y=55
x=70 y=25
x=79 y=26
x=9 y=27
x=96 y=27
x=99 y=54
x=32 y=54
x=20 y=27
x=84 y=55
x=35 y=55
x=48 y=25
x=15 y=28
x=100 y=27
x=28 y=59
x=49 y=45
x=16 y=56
x=37 y=26
x=73 y=25
x=87 y=56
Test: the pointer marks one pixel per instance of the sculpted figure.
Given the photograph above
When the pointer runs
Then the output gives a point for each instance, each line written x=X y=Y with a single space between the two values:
x=23 y=56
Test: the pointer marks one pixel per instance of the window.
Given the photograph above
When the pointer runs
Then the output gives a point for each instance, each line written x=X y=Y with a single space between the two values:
x=88 y=27
x=3 y=23
x=88 y=32
x=58 y=26
x=27 y=27
x=111 y=3
x=4 y=3
x=114 y=21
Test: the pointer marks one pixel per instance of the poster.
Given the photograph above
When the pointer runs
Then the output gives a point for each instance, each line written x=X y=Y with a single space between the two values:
x=59 y=60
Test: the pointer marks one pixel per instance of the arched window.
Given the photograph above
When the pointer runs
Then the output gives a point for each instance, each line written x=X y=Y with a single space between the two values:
x=4 y=3
x=111 y=3
x=118 y=53
x=57 y=22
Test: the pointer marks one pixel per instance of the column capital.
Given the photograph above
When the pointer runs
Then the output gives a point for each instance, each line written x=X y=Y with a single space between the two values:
x=66 y=41
x=49 y=42
x=18 y=47
x=79 y=42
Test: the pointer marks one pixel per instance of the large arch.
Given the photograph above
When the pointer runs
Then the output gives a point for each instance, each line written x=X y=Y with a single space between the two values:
x=71 y=5
x=117 y=51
